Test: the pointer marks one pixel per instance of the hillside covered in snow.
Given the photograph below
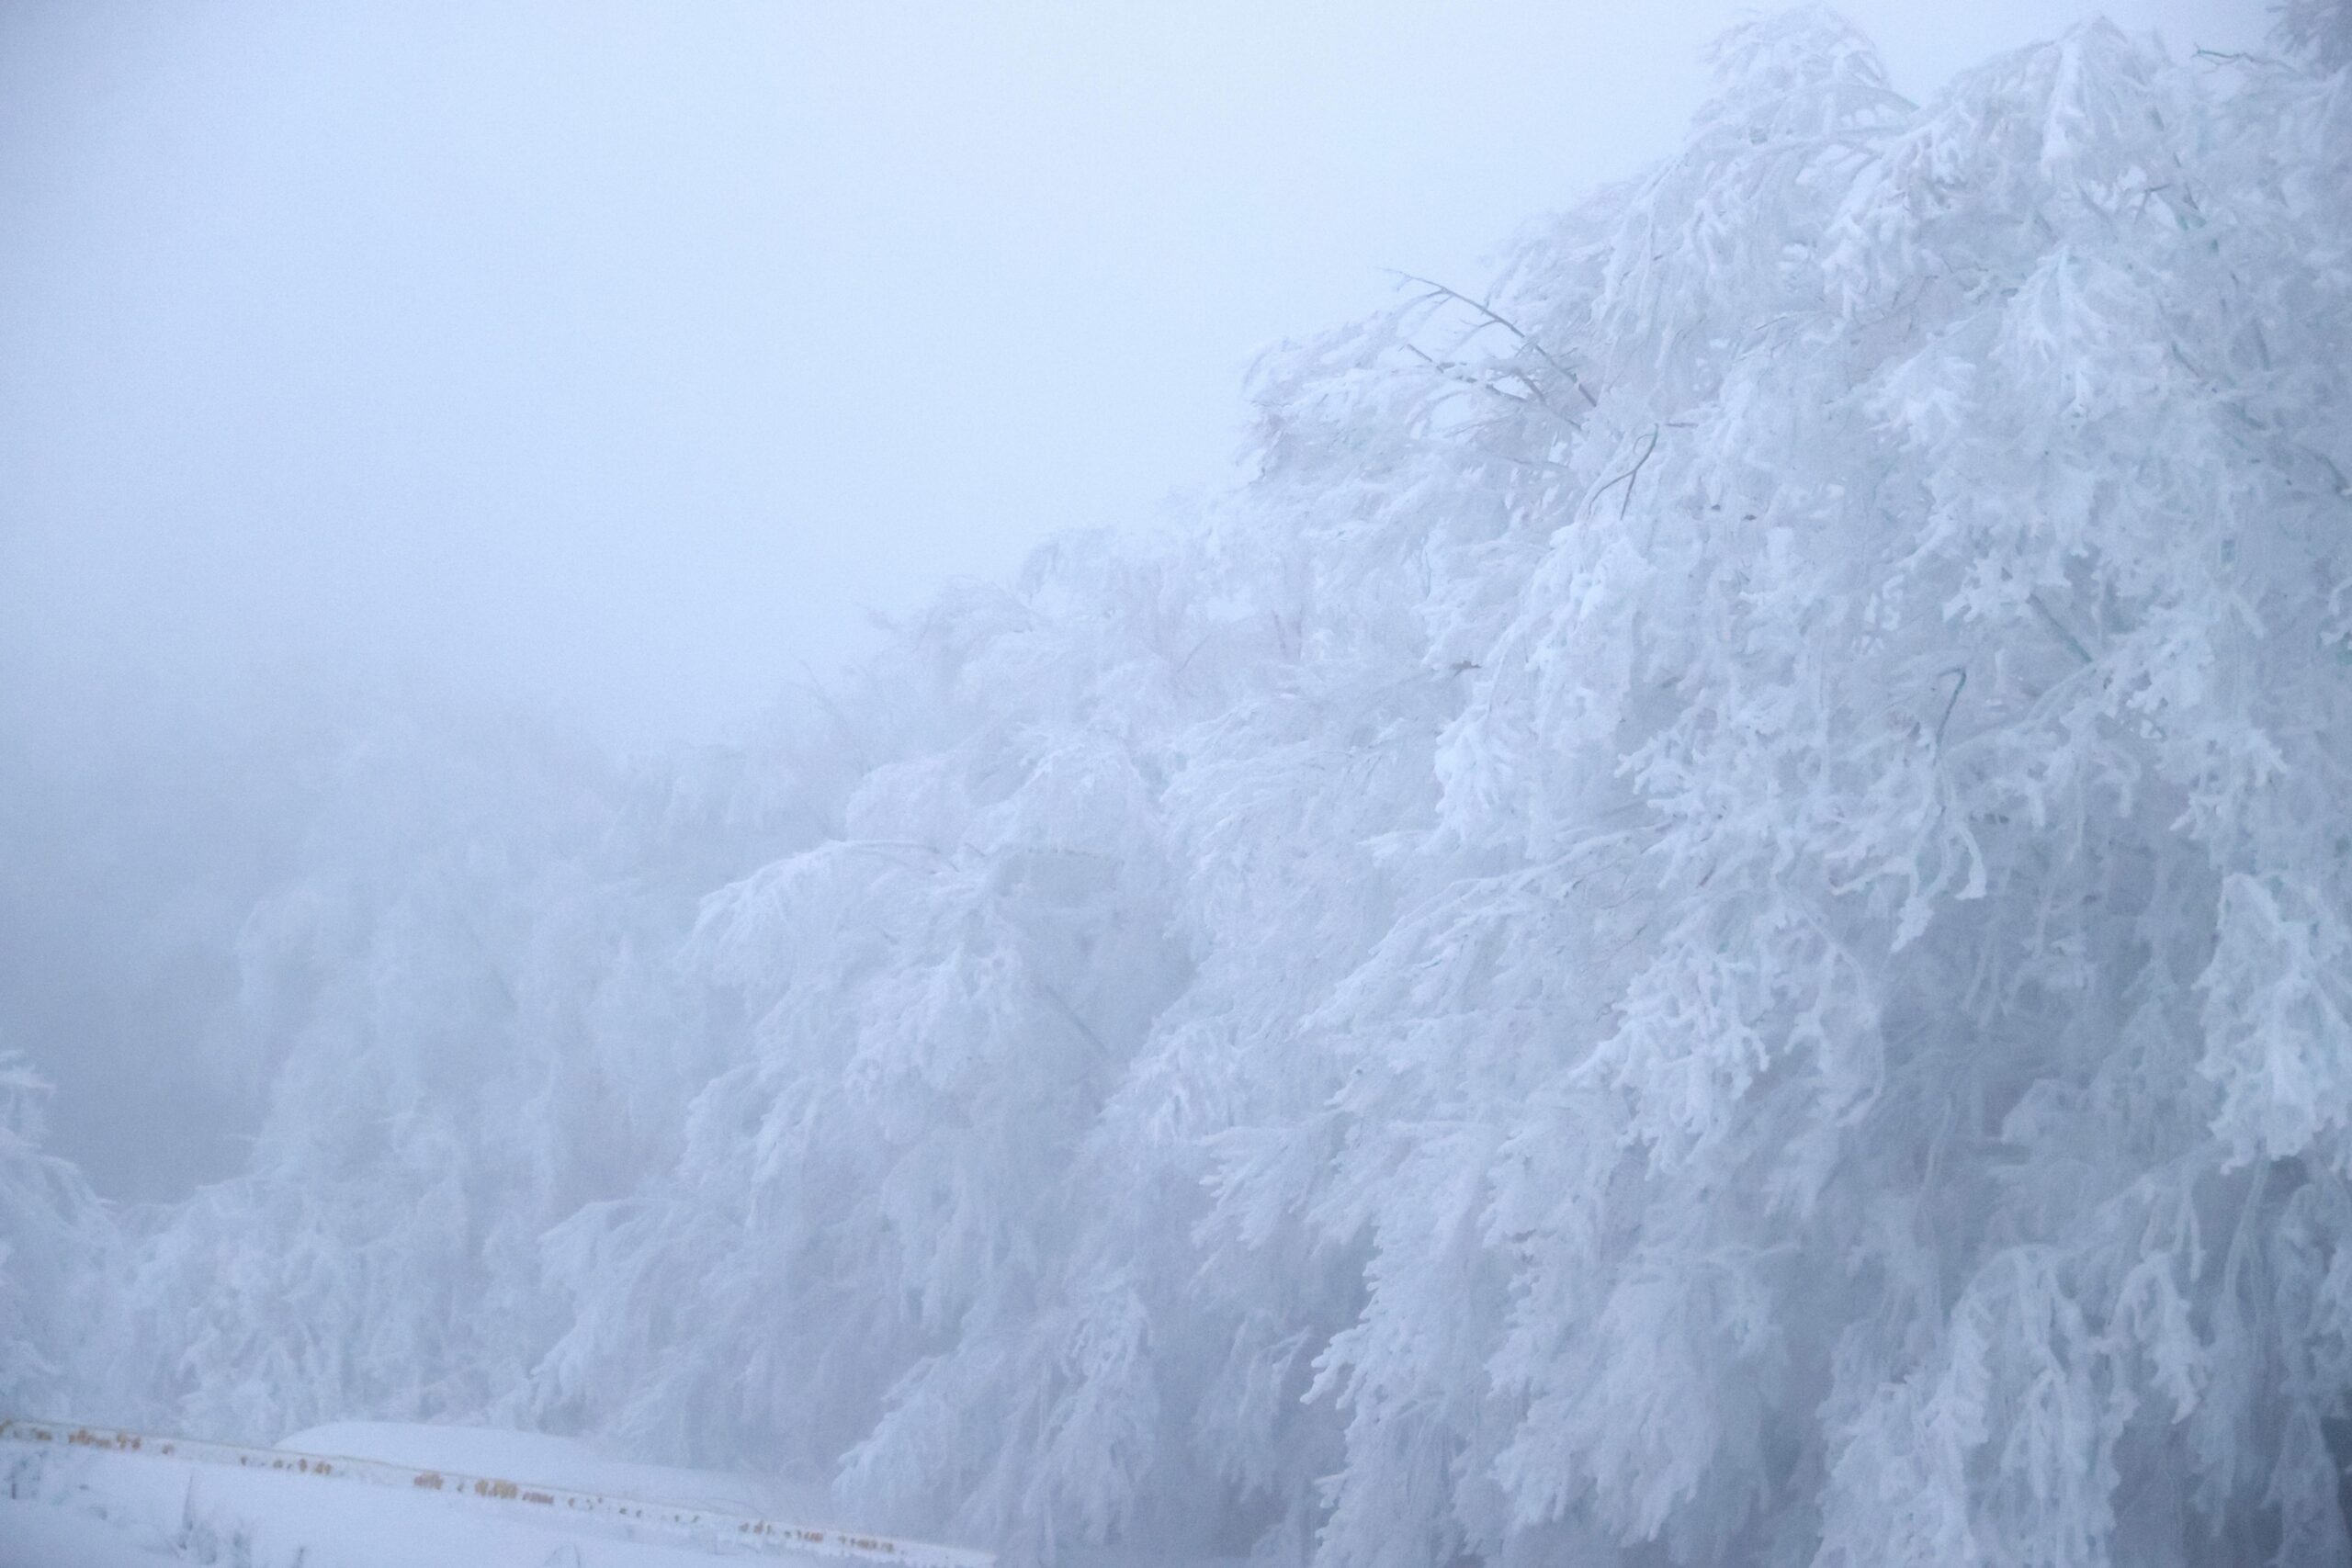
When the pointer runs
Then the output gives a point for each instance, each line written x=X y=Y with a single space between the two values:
x=1710 y=925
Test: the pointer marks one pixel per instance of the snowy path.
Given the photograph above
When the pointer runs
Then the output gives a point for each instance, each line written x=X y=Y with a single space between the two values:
x=397 y=1498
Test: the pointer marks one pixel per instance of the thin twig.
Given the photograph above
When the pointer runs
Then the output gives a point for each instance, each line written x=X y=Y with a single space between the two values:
x=1512 y=327
x=1452 y=371
x=2069 y=638
x=1629 y=476
x=1545 y=464
x=1959 y=685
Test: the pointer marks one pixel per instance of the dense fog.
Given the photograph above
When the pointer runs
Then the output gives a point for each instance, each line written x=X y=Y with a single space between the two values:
x=1700 y=913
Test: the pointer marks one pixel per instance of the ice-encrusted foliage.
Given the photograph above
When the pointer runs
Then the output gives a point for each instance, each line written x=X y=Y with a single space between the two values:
x=1712 y=924
x=2321 y=29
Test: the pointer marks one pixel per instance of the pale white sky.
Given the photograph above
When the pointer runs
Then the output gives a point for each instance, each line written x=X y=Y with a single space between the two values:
x=612 y=358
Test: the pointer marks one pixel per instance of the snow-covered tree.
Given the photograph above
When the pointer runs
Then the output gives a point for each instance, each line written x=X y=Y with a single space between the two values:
x=1901 y=871
x=55 y=1240
x=450 y=1007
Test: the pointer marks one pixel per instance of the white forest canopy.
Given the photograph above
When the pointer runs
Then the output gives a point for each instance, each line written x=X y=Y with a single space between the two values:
x=1712 y=924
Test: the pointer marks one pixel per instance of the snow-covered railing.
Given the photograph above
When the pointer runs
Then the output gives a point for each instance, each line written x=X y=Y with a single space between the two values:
x=699 y=1526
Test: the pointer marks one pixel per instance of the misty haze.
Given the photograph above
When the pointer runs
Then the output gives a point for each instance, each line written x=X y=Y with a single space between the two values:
x=1217 y=786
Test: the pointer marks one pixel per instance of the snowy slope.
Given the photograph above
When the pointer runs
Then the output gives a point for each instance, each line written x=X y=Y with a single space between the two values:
x=568 y=1462
x=82 y=1508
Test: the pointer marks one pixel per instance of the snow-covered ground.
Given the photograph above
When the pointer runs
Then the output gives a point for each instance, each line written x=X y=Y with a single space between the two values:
x=77 y=1507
